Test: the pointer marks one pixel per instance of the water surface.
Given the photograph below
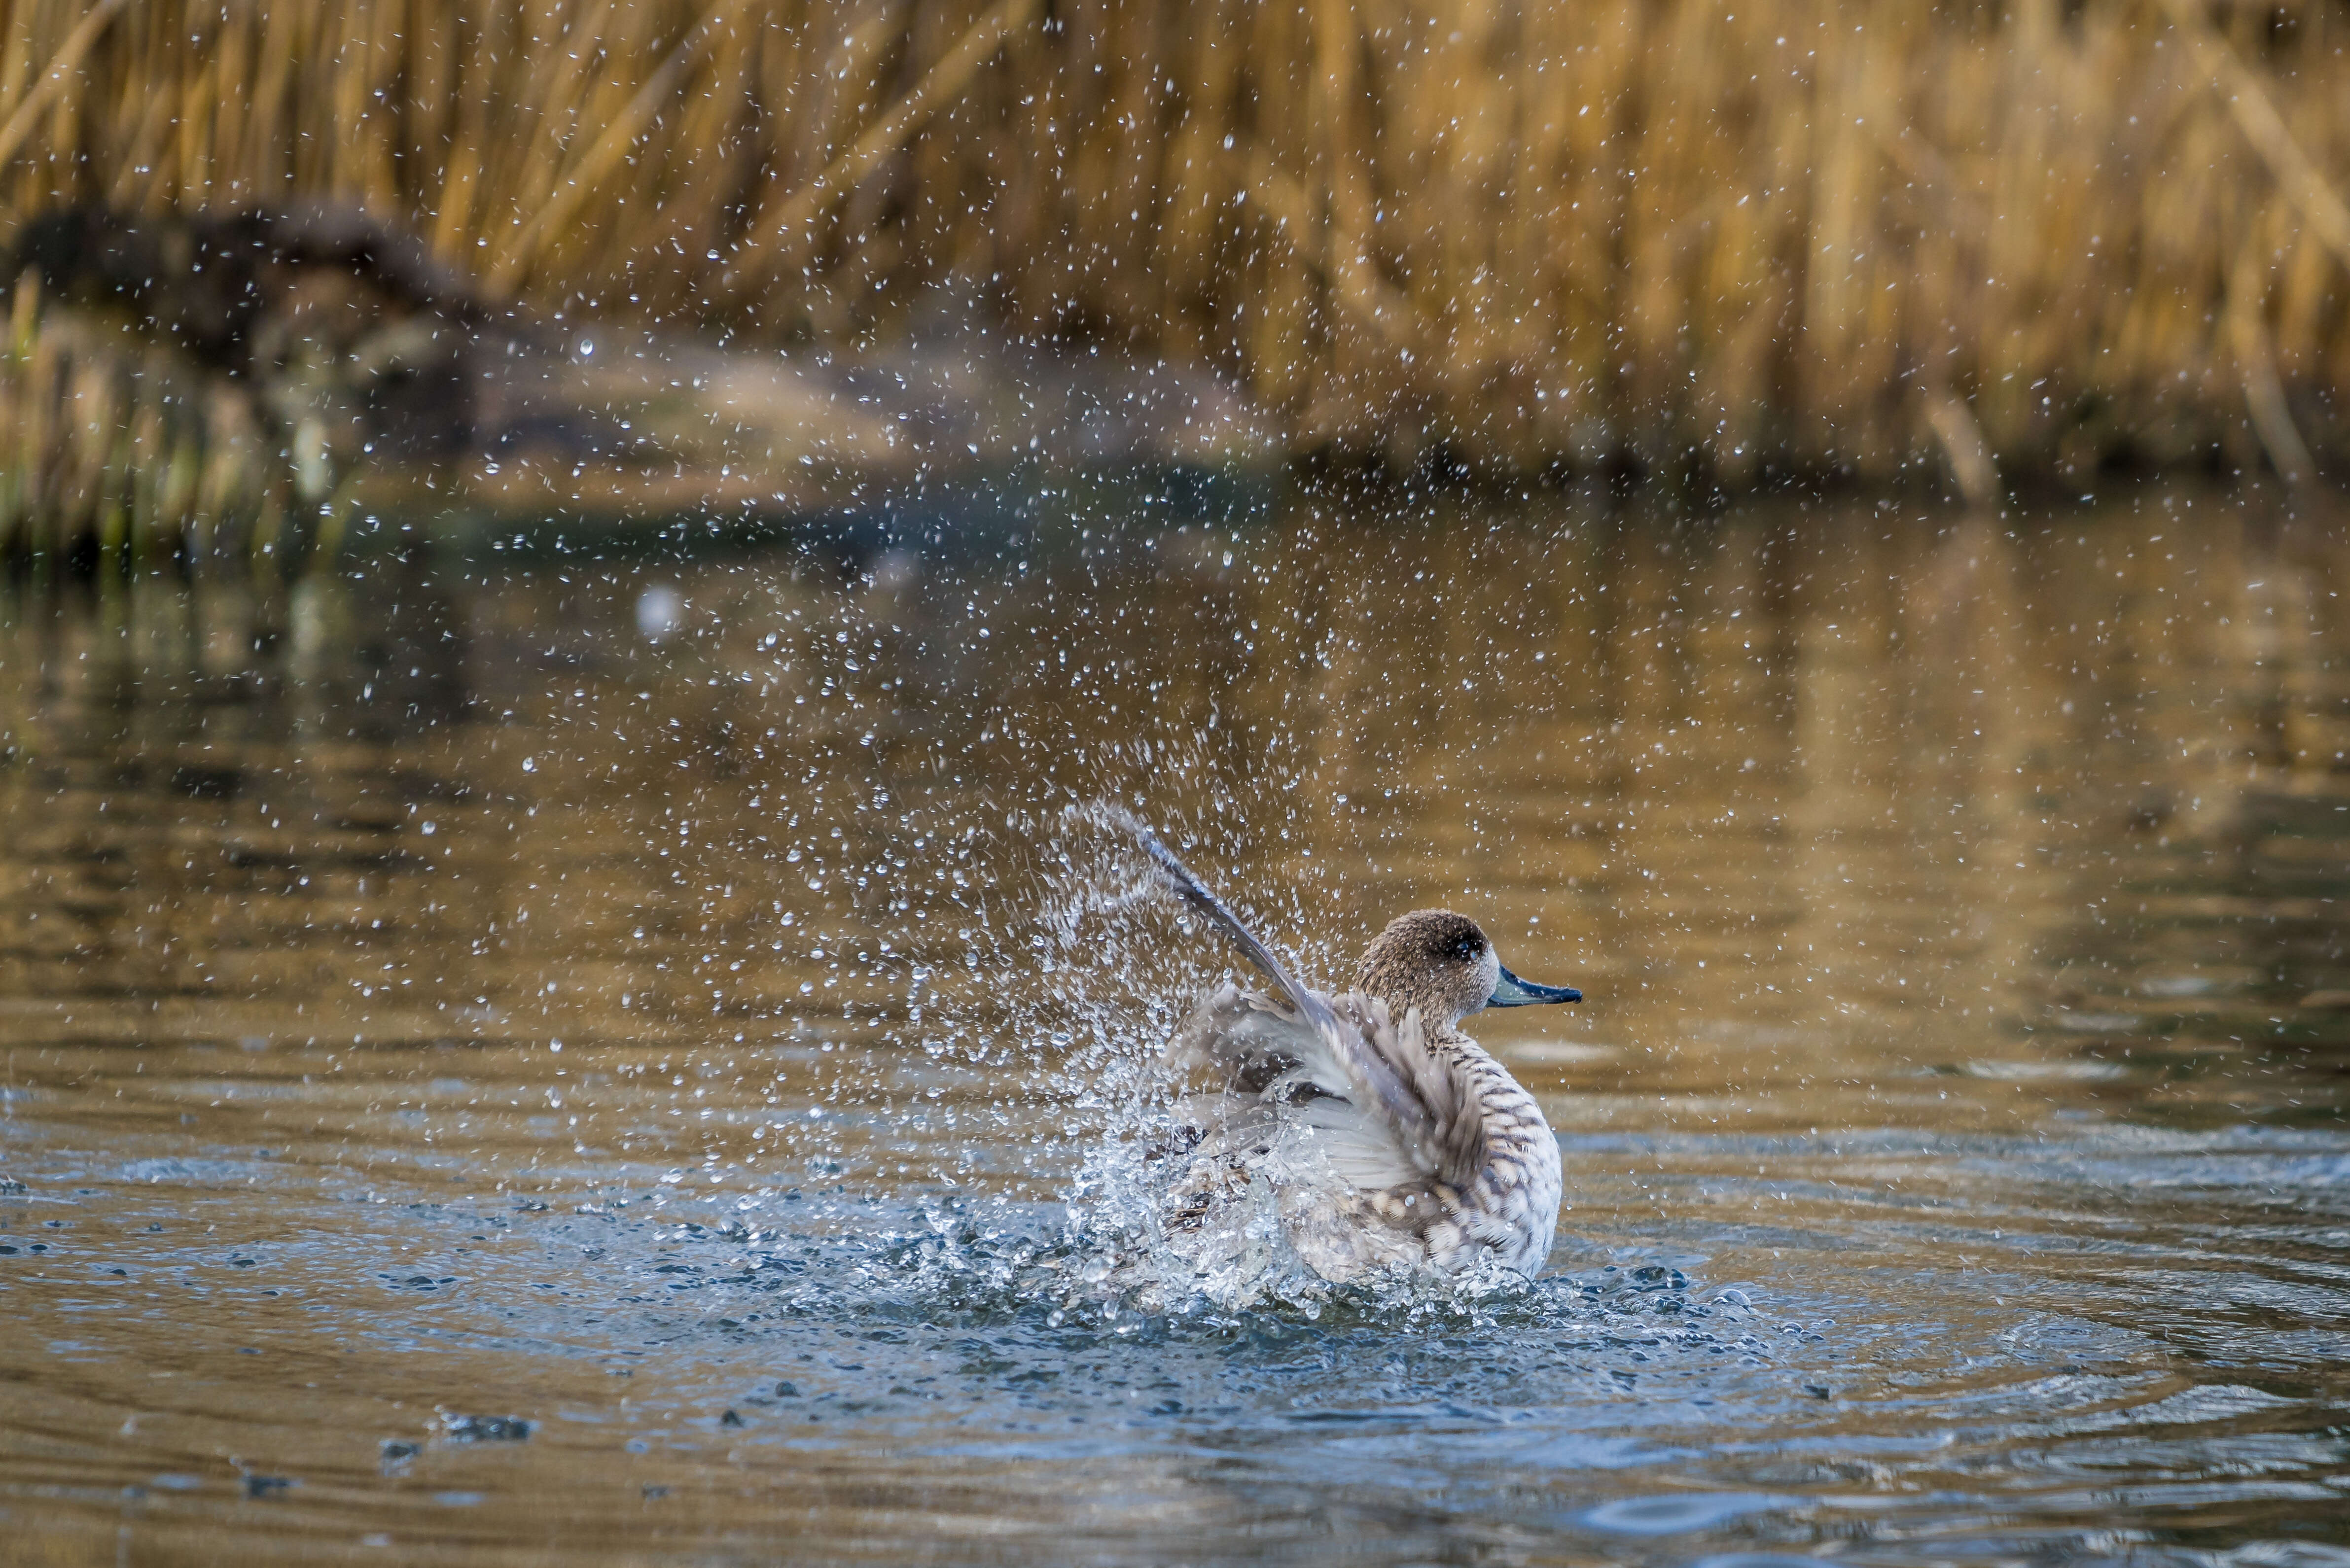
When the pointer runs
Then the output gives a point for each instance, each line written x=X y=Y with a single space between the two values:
x=614 y=1063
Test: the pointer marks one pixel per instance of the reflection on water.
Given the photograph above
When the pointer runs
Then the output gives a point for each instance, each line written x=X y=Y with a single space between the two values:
x=670 y=1009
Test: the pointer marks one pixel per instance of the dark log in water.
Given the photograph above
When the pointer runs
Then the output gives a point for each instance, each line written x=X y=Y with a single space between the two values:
x=313 y=308
x=175 y=379
x=216 y=282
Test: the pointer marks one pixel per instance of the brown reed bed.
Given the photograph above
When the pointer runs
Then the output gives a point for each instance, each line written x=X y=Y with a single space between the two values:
x=1735 y=235
x=125 y=453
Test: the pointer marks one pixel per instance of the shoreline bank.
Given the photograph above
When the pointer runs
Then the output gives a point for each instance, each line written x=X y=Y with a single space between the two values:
x=272 y=388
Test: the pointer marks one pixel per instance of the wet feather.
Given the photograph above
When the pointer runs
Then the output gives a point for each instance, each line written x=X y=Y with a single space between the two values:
x=1385 y=1137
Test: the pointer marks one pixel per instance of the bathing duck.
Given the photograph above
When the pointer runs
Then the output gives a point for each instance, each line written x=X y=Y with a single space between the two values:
x=1385 y=1137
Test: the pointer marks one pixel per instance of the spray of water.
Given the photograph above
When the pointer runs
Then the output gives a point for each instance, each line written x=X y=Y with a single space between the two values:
x=1087 y=983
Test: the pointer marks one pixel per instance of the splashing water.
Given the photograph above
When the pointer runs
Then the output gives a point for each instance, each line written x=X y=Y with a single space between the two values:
x=734 y=1127
x=1113 y=965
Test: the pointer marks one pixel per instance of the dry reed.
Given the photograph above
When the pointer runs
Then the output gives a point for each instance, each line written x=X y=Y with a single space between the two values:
x=1733 y=232
x=129 y=453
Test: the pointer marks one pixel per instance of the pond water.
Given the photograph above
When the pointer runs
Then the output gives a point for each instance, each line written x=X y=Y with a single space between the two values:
x=596 y=1062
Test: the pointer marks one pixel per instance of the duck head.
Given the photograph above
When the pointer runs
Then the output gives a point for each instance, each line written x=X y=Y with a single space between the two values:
x=1442 y=964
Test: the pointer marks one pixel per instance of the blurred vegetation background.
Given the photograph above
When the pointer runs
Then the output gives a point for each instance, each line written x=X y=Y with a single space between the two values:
x=1746 y=238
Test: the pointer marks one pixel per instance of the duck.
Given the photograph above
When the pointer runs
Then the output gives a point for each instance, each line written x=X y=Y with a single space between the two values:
x=1384 y=1138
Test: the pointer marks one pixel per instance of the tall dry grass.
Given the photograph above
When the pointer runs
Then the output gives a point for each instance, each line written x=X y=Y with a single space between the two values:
x=1738 y=232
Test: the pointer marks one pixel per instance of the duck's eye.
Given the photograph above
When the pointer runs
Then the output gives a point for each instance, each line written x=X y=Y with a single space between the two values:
x=1466 y=948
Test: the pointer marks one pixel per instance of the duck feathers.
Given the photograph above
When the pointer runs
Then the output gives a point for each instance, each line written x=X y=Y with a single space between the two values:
x=1388 y=1103
x=1385 y=1140
x=1373 y=1065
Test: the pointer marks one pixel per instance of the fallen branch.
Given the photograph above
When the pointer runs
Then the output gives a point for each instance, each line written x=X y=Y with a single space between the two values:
x=1963 y=442
x=2256 y=366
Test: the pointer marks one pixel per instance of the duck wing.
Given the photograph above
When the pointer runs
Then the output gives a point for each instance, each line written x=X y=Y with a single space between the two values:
x=1389 y=1110
x=1387 y=1071
x=1194 y=892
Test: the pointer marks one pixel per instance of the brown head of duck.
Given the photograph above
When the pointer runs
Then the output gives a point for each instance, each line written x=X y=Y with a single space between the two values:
x=1444 y=965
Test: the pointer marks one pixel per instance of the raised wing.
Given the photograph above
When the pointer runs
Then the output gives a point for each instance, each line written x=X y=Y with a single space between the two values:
x=1388 y=1109
x=1380 y=1068
x=1195 y=893
x=1373 y=1078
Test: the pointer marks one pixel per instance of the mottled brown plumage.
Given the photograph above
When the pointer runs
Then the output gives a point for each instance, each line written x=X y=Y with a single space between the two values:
x=1383 y=1136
